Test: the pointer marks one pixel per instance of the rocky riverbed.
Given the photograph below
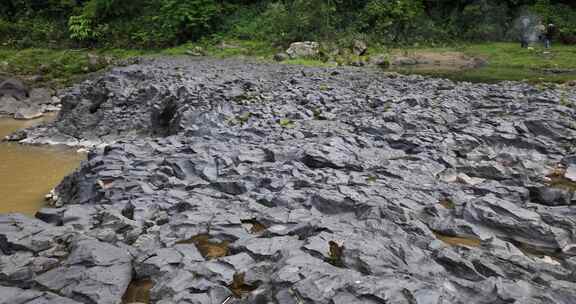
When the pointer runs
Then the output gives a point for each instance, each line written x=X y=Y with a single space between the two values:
x=20 y=102
x=233 y=182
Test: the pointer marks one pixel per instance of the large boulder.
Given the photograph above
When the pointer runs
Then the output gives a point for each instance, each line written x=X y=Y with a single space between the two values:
x=15 y=88
x=19 y=102
x=359 y=47
x=94 y=272
x=29 y=112
x=281 y=57
x=9 y=105
x=41 y=96
x=306 y=49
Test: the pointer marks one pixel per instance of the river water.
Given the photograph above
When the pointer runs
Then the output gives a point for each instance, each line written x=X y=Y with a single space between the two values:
x=28 y=173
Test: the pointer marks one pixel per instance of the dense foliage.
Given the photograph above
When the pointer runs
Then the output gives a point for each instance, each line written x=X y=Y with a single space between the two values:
x=161 y=23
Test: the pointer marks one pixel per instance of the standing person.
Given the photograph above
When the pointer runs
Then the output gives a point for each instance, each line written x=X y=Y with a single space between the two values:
x=523 y=41
x=550 y=31
x=524 y=26
x=541 y=31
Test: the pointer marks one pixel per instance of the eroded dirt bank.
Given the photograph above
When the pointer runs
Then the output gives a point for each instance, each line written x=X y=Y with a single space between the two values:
x=279 y=184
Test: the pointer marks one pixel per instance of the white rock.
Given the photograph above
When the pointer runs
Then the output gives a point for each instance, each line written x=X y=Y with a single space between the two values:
x=465 y=179
x=571 y=172
x=303 y=49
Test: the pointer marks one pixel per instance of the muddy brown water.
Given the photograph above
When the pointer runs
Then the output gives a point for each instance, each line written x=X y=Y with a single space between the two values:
x=28 y=173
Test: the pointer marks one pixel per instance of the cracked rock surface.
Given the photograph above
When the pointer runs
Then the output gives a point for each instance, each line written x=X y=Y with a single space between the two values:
x=290 y=185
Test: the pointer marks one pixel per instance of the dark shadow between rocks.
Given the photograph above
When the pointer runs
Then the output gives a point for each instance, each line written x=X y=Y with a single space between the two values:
x=164 y=119
x=253 y=226
x=532 y=251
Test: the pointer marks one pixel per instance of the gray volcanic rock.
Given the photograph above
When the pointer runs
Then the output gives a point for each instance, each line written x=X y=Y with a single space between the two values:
x=59 y=260
x=13 y=88
x=19 y=102
x=285 y=184
x=9 y=105
x=94 y=272
x=14 y=295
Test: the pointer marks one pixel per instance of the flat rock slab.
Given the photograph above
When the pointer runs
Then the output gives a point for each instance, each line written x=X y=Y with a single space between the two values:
x=14 y=295
x=29 y=112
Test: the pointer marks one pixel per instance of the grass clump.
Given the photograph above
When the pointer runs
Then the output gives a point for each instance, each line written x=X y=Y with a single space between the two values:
x=311 y=63
x=507 y=61
x=336 y=254
x=286 y=123
x=447 y=203
x=59 y=66
x=504 y=61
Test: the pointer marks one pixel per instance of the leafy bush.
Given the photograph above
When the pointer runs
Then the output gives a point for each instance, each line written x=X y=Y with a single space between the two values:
x=562 y=15
x=393 y=20
x=81 y=29
x=30 y=33
x=8 y=33
x=565 y=20
x=288 y=21
x=53 y=9
x=484 y=20
x=189 y=19
x=161 y=23
x=102 y=10
x=138 y=32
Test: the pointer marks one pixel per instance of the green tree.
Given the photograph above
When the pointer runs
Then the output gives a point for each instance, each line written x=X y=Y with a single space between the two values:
x=189 y=19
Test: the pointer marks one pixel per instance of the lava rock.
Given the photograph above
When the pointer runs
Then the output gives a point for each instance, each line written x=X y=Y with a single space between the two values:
x=14 y=295
x=212 y=179
x=94 y=270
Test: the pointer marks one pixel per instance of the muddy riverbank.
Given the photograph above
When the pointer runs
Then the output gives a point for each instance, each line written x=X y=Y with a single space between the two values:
x=263 y=183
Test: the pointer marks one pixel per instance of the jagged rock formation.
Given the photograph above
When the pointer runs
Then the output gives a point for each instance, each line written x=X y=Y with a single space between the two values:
x=284 y=184
x=17 y=101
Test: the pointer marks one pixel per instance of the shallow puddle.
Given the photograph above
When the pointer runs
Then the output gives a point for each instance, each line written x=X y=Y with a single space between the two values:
x=28 y=173
x=138 y=291
x=458 y=241
x=210 y=249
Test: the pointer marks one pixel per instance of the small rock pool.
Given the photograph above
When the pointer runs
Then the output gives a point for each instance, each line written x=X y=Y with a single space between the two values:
x=28 y=173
